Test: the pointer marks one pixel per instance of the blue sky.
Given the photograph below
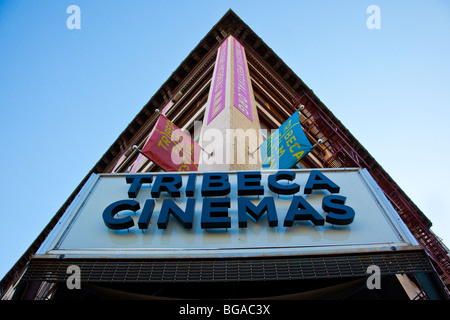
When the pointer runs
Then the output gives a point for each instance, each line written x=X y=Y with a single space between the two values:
x=66 y=95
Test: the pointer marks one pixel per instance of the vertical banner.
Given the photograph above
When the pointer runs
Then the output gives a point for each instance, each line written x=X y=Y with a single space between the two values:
x=286 y=145
x=241 y=86
x=122 y=157
x=171 y=148
x=167 y=107
x=217 y=103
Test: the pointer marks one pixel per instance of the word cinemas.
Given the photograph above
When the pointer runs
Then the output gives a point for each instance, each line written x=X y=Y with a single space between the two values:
x=215 y=194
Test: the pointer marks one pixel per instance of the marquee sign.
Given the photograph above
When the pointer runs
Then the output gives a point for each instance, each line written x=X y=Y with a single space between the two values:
x=225 y=214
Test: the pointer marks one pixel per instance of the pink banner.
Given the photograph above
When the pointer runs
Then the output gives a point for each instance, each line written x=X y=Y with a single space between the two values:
x=167 y=107
x=241 y=85
x=160 y=146
x=217 y=103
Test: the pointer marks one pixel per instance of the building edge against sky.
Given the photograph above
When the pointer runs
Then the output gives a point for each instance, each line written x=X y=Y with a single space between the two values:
x=277 y=93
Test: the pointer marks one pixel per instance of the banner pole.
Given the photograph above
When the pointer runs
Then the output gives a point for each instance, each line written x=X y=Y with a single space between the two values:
x=316 y=144
x=135 y=147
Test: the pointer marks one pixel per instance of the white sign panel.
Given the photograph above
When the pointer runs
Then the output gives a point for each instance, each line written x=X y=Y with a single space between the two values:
x=227 y=214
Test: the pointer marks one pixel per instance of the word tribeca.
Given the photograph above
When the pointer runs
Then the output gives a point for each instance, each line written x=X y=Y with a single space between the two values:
x=215 y=188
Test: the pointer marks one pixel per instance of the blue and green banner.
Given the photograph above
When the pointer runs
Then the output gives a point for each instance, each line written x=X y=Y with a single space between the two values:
x=285 y=146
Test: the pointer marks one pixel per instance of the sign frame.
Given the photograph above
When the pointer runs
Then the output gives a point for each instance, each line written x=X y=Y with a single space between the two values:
x=53 y=246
